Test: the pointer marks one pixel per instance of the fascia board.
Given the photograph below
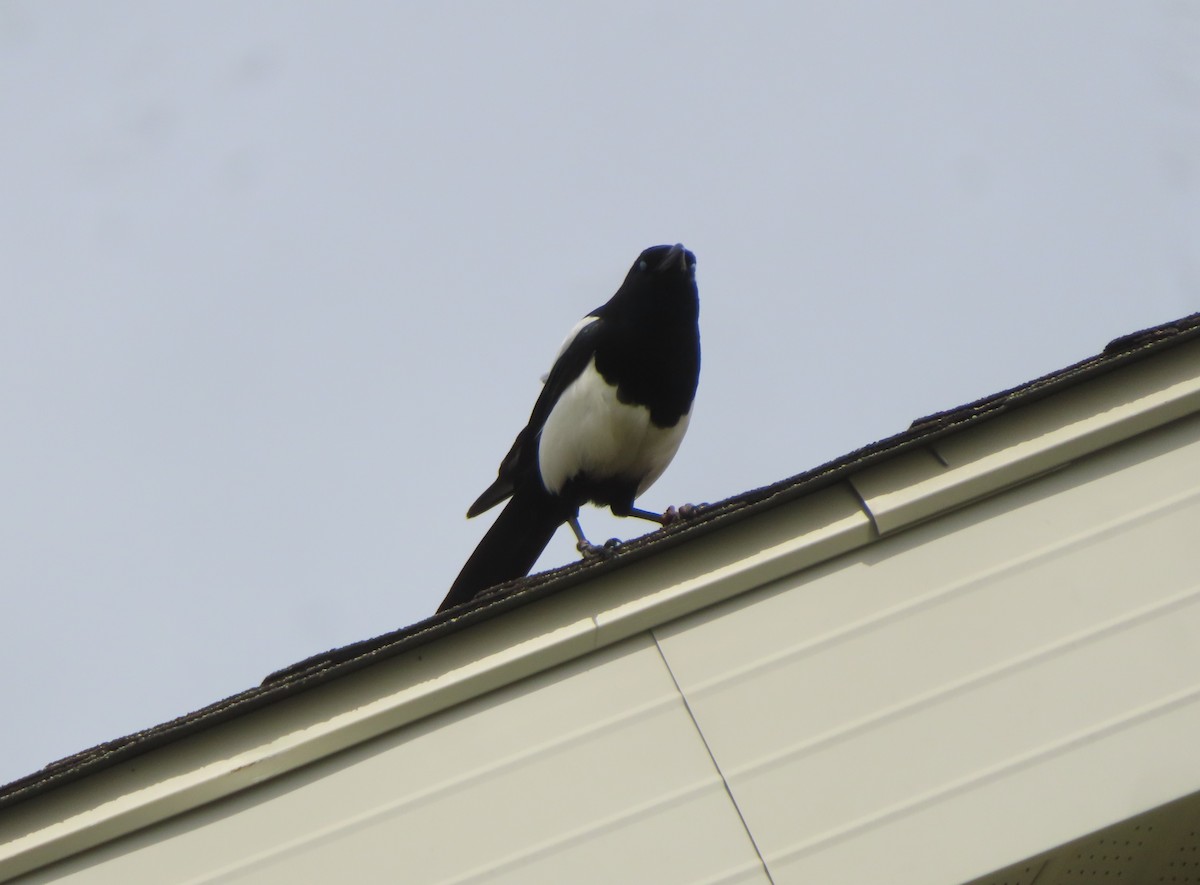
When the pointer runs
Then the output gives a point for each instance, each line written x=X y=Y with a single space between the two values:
x=1025 y=443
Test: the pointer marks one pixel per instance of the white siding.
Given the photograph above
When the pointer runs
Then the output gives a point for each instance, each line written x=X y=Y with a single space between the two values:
x=971 y=691
x=580 y=774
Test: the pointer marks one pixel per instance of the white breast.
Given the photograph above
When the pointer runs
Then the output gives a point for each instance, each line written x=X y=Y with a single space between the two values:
x=590 y=431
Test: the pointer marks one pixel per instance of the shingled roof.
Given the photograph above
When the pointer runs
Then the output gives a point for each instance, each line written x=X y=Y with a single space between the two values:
x=338 y=662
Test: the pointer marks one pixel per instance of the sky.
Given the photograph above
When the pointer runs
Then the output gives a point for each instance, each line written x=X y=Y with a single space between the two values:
x=278 y=280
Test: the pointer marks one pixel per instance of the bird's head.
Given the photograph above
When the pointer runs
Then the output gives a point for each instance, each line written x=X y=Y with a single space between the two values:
x=663 y=262
x=660 y=286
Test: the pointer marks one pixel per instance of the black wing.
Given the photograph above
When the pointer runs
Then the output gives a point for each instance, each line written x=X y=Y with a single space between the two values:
x=521 y=460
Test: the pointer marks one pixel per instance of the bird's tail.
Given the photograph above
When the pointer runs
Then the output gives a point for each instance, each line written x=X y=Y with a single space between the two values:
x=511 y=546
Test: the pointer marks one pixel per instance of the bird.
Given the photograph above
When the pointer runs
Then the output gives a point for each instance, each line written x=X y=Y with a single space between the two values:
x=610 y=417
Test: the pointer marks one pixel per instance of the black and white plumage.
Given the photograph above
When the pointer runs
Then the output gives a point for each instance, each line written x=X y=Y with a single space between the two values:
x=610 y=417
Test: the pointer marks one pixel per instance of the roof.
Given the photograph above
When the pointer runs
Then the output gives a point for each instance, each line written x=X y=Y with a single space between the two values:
x=339 y=662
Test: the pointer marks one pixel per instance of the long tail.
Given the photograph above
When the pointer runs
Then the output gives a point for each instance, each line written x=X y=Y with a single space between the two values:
x=511 y=546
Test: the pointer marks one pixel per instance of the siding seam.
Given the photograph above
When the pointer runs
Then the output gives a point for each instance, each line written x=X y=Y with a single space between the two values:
x=716 y=765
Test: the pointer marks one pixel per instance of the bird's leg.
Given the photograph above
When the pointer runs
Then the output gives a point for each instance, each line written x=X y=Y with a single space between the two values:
x=669 y=516
x=586 y=547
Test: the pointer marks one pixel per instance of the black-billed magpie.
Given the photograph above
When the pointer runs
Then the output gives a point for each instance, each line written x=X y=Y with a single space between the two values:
x=610 y=417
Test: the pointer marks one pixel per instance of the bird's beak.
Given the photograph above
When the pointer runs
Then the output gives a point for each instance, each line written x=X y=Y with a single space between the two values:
x=676 y=257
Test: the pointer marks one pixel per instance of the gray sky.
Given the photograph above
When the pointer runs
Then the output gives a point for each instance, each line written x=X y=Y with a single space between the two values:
x=279 y=280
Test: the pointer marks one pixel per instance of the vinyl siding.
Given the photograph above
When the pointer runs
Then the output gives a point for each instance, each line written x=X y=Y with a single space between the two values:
x=1003 y=678
x=579 y=774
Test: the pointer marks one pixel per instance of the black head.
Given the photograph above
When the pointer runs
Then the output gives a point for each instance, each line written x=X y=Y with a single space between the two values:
x=664 y=272
x=660 y=287
x=659 y=263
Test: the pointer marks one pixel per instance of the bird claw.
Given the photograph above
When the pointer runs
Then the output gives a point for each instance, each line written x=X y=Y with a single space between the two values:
x=589 y=550
x=682 y=513
x=598 y=551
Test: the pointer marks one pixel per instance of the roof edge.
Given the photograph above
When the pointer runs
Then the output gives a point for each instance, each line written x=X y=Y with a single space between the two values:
x=604 y=618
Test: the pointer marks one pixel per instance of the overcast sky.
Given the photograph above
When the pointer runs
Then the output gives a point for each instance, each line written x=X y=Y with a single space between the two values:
x=279 y=280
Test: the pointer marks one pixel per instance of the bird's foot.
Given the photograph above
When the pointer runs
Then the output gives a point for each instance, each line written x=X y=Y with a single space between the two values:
x=598 y=551
x=682 y=513
x=588 y=550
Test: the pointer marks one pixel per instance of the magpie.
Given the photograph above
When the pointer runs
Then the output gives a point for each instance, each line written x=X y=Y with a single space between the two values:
x=611 y=414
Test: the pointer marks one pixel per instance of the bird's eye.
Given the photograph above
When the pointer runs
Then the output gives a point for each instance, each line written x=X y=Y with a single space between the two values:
x=642 y=265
